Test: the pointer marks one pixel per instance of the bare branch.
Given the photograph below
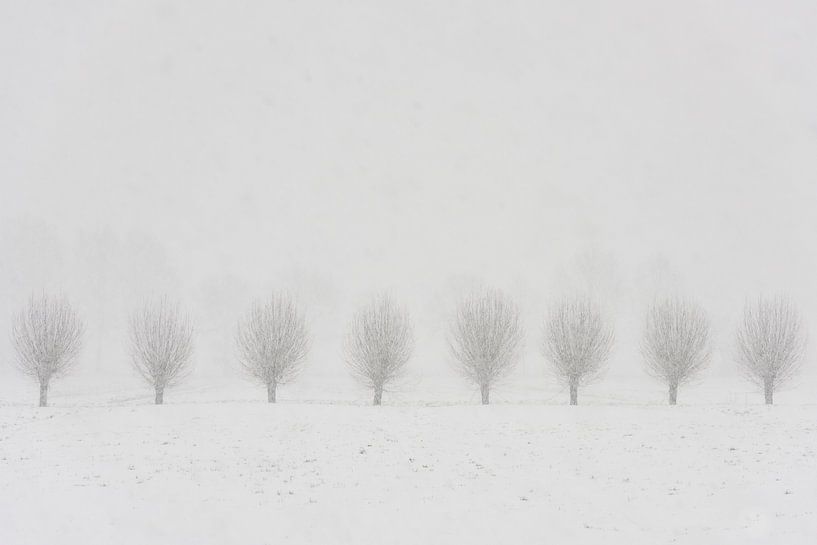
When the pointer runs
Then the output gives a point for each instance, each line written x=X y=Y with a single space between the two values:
x=47 y=336
x=771 y=341
x=577 y=342
x=272 y=342
x=161 y=343
x=676 y=342
x=486 y=338
x=378 y=344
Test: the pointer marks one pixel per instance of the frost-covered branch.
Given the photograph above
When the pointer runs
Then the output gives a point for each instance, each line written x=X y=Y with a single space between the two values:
x=771 y=341
x=161 y=343
x=486 y=338
x=378 y=344
x=272 y=342
x=47 y=336
x=577 y=342
x=676 y=342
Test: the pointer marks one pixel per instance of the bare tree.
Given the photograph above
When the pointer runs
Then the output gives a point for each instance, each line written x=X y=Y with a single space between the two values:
x=676 y=342
x=770 y=343
x=161 y=344
x=577 y=342
x=272 y=342
x=486 y=338
x=378 y=344
x=47 y=336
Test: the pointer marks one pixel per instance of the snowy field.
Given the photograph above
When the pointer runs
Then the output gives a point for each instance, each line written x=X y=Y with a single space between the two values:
x=204 y=470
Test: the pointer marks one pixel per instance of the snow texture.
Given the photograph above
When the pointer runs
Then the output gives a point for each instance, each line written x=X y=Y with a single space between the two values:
x=203 y=471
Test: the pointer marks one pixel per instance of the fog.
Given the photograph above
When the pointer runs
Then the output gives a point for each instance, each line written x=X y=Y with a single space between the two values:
x=214 y=152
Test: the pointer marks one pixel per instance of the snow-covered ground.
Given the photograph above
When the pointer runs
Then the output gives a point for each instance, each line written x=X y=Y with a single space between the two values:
x=203 y=470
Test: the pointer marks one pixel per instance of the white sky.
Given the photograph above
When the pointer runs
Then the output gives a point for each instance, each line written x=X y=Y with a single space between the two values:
x=336 y=149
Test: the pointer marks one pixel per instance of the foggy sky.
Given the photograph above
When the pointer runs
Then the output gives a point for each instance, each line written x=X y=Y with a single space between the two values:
x=216 y=151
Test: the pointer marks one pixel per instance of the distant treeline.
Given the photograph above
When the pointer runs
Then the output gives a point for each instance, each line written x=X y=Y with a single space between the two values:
x=484 y=339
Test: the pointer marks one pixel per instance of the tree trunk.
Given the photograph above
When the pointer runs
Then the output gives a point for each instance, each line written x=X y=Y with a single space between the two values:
x=574 y=394
x=378 y=396
x=484 y=390
x=673 y=393
x=768 y=389
x=43 y=394
x=271 y=392
x=160 y=396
